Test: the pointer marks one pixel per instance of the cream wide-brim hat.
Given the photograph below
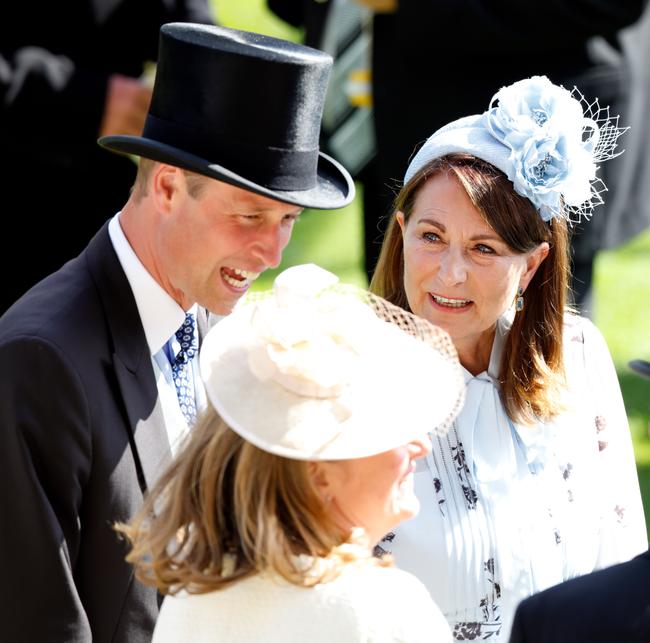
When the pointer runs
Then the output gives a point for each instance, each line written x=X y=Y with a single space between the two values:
x=313 y=371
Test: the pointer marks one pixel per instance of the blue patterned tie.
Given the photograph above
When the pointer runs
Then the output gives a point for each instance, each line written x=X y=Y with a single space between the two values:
x=181 y=367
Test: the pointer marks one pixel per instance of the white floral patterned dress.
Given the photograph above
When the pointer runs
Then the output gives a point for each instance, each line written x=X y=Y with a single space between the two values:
x=508 y=510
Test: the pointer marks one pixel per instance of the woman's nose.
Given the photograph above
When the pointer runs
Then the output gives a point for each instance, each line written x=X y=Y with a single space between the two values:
x=452 y=270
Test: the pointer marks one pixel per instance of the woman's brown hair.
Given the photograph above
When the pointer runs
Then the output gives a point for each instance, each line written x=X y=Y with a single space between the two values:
x=225 y=510
x=532 y=369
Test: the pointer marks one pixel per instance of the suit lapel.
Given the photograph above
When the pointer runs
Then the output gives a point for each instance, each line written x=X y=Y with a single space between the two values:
x=147 y=424
x=131 y=361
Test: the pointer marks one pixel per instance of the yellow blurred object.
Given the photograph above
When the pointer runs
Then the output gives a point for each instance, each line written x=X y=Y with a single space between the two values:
x=358 y=88
x=380 y=6
x=348 y=128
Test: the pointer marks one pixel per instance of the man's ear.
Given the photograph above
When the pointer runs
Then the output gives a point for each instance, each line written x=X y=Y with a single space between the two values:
x=166 y=183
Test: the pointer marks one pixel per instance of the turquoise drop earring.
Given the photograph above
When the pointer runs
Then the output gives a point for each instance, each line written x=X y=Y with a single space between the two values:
x=519 y=302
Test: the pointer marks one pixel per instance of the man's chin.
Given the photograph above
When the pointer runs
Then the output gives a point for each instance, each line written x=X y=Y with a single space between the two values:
x=221 y=307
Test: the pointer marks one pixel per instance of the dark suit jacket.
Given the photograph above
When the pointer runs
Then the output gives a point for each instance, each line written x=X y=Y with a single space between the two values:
x=608 y=606
x=82 y=436
x=55 y=61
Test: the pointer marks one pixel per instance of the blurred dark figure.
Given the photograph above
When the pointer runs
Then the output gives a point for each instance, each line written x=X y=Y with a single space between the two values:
x=69 y=72
x=343 y=28
x=625 y=82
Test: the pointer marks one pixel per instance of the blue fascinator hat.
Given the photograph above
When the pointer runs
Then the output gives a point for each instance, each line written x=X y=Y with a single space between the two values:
x=547 y=140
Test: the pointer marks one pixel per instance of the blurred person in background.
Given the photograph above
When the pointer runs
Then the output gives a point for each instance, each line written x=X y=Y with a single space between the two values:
x=70 y=72
x=626 y=87
x=343 y=28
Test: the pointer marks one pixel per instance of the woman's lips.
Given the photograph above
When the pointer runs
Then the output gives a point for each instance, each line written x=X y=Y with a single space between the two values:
x=449 y=304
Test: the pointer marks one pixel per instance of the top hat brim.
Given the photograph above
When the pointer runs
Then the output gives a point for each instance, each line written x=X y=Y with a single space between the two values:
x=334 y=186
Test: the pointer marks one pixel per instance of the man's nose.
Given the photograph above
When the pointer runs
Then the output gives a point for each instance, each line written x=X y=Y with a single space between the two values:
x=269 y=245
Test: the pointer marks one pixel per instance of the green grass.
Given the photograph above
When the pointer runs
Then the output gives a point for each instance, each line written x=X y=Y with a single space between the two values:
x=252 y=15
x=621 y=282
x=333 y=240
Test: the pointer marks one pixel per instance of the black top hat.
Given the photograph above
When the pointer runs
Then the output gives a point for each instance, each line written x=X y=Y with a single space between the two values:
x=242 y=108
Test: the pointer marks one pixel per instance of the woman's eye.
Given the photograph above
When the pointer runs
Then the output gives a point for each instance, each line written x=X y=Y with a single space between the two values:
x=485 y=250
x=430 y=236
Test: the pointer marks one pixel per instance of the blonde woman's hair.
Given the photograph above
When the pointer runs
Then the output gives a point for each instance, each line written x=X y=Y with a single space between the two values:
x=225 y=510
x=532 y=369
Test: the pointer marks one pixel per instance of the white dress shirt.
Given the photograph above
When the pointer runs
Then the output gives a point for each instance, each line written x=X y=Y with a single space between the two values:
x=161 y=317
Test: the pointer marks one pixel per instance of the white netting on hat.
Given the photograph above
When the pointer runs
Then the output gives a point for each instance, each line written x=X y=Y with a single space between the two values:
x=555 y=140
x=429 y=334
x=609 y=132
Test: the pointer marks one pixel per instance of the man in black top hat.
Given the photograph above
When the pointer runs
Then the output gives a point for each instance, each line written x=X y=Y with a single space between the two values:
x=100 y=380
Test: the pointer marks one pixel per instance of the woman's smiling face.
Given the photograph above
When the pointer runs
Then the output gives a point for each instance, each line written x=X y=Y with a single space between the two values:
x=458 y=272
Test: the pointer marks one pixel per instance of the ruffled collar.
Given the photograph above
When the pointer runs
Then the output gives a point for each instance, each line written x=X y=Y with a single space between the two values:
x=494 y=446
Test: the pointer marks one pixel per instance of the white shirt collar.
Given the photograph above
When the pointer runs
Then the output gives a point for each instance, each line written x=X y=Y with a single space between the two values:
x=161 y=316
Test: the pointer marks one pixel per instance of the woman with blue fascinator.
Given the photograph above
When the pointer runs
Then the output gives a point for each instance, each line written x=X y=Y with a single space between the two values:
x=536 y=481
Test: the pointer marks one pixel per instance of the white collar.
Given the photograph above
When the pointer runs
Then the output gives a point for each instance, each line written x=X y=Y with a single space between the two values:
x=161 y=316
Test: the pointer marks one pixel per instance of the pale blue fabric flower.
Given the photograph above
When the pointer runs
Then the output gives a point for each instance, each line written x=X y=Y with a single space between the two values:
x=543 y=138
x=543 y=125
